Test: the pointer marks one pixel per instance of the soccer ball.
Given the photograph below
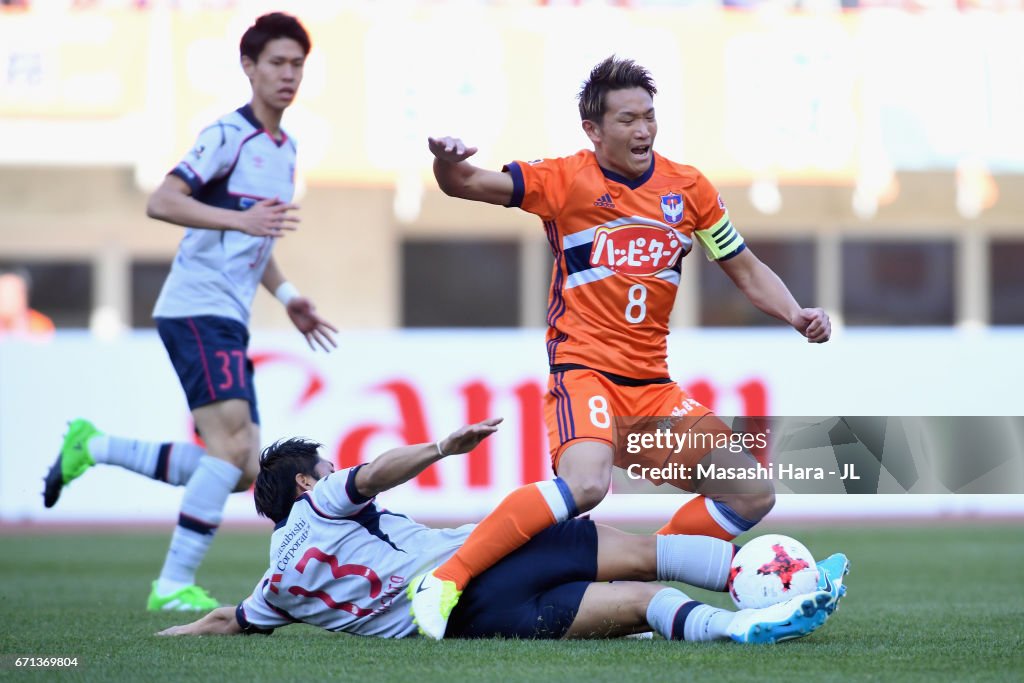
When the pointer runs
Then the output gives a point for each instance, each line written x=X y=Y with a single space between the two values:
x=770 y=569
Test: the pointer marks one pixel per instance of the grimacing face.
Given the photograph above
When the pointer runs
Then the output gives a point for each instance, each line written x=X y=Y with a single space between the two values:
x=624 y=139
x=277 y=73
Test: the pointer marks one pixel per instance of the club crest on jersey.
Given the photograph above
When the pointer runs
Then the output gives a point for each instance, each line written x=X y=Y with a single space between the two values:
x=635 y=249
x=672 y=207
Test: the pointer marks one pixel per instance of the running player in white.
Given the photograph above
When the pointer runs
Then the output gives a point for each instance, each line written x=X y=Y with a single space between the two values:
x=340 y=563
x=232 y=192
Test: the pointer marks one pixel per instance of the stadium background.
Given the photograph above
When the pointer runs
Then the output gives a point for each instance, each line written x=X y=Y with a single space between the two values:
x=869 y=151
x=872 y=157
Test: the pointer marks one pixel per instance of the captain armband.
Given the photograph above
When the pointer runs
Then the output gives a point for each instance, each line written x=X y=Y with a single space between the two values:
x=721 y=240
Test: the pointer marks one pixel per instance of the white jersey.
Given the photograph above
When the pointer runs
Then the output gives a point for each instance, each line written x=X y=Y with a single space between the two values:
x=341 y=564
x=234 y=164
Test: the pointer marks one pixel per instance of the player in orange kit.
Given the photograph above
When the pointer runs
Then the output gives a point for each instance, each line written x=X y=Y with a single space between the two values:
x=619 y=219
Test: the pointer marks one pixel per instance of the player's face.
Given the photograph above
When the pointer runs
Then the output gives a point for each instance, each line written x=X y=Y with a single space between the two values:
x=624 y=139
x=276 y=75
x=323 y=468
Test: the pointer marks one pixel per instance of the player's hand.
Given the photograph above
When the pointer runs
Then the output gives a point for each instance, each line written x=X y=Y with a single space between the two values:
x=469 y=437
x=304 y=316
x=450 y=149
x=814 y=324
x=180 y=630
x=269 y=218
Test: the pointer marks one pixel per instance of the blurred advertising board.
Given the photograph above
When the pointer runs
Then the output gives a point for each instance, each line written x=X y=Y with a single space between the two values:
x=381 y=390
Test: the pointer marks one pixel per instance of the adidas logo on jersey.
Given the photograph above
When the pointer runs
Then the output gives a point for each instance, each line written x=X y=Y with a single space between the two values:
x=605 y=201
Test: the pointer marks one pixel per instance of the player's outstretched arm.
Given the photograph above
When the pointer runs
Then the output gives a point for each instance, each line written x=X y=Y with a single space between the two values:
x=399 y=465
x=173 y=202
x=458 y=178
x=300 y=309
x=220 y=621
x=769 y=293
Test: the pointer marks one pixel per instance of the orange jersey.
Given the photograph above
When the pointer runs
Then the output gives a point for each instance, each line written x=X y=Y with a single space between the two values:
x=618 y=247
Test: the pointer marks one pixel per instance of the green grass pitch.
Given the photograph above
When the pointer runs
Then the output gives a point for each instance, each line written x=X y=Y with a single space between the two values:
x=926 y=603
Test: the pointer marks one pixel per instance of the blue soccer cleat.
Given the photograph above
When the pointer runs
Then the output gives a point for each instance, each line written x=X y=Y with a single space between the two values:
x=831 y=577
x=793 y=618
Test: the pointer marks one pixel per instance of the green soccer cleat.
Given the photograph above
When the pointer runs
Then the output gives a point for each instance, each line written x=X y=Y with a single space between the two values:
x=432 y=603
x=188 y=599
x=72 y=461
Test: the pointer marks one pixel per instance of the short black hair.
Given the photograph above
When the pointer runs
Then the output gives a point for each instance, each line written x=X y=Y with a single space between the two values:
x=271 y=27
x=611 y=74
x=279 y=464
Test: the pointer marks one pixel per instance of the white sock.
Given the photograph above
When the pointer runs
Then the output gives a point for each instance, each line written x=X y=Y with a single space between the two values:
x=559 y=498
x=181 y=463
x=700 y=561
x=707 y=623
x=173 y=463
x=676 y=616
x=202 y=509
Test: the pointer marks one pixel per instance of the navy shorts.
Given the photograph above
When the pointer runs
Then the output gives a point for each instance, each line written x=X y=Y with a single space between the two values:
x=209 y=353
x=535 y=592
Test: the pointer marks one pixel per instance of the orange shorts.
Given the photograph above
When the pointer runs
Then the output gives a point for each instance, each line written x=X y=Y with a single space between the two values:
x=583 y=405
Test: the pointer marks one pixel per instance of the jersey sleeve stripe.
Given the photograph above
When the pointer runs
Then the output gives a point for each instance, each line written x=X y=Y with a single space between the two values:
x=518 y=185
x=189 y=175
x=247 y=626
x=350 y=487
